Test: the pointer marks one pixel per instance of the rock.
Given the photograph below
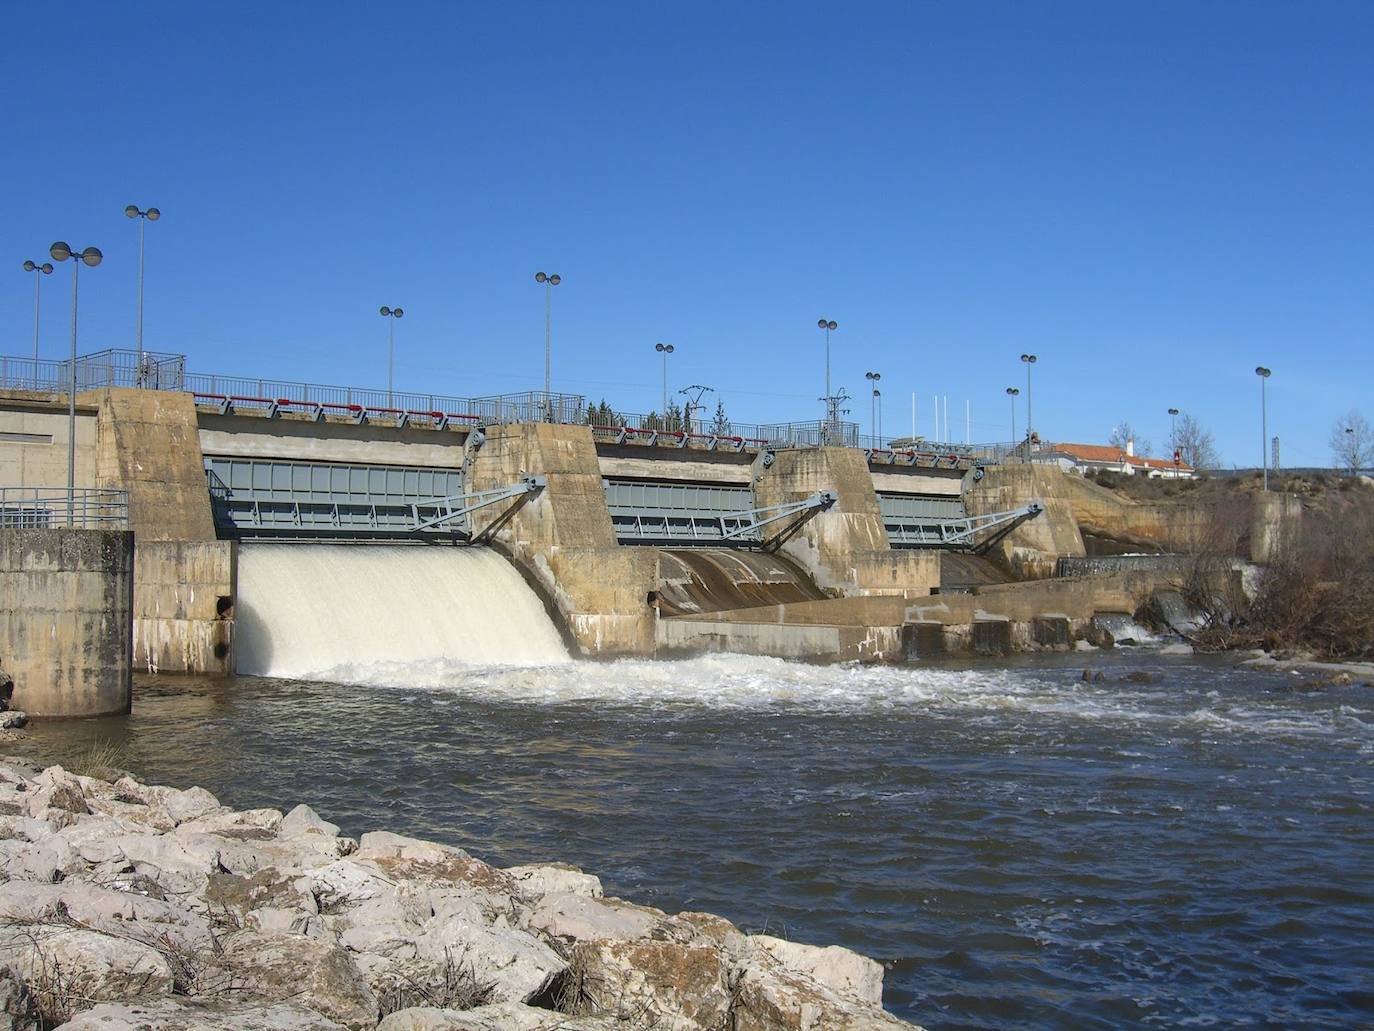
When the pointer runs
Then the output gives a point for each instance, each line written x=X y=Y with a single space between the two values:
x=180 y=806
x=132 y=814
x=292 y=967
x=555 y=878
x=1139 y=676
x=516 y=966
x=660 y=984
x=55 y=788
x=345 y=883
x=582 y=918
x=842 y=971
x=118 y=913
x=12 y=719
x=304 y=820
x=16 y=1007
x=505 y=1016
x=180 y=1014
x=61 y=963
x=238 y=896
x=250 y=824
x=403 y=857
x=181 y=867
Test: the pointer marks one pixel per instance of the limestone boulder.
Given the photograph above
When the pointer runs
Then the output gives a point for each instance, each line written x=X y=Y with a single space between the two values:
x=294 y=968
x=769 y=997
x=119 y=913
x=581 y=917
x=555 y=879
x=510 y=964
x=16 y=1006
x=179 y=1014
x=838 y=969
x=248 y=824
x=438 y=865
x=237 y=896
x=179 y=806
x=302 y=821
x=55 y=788
x=62 y=963
x=664 y=985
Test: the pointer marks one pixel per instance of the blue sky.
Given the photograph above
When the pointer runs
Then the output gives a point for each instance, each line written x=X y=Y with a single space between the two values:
x=1154 y=198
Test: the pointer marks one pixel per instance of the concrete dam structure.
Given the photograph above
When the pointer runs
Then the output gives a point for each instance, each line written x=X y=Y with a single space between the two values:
x=633 y=542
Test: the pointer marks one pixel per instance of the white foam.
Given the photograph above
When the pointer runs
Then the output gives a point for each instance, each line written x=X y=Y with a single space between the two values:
x=326 y=611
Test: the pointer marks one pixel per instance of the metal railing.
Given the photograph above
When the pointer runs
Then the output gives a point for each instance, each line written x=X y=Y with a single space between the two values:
x=50 y=508
x=109 y=368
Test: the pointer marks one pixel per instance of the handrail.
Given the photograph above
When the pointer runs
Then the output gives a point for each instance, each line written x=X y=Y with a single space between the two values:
x=46 y=508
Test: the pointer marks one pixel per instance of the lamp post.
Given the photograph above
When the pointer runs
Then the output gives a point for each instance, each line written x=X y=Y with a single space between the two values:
x=549 y=283
x=1012 y=394
x=665 y=350
x=90 y=256
x=391 y=315
x=1264 y=375
x=39 y=272
x=1173 y=437
x=828 y=325
x=1030 y=360
x=144 y=217
x=873 y=378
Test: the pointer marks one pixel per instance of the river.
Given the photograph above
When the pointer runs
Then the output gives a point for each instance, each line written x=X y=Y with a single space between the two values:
x=1018 y=847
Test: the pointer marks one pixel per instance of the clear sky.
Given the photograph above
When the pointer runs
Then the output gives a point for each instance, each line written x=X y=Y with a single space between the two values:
x=1153 y=197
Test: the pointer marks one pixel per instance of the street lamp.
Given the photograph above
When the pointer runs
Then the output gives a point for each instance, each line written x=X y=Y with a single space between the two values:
x=1264 y=374
x=665 y=350
x=391 y=315
x=144 y=217
x=873 y=378
x=40 y=271
x=1173 y=437
x=1012 y=394
x=90 y=256
x=549 y=283
x=828 y=325
x=1030 y=360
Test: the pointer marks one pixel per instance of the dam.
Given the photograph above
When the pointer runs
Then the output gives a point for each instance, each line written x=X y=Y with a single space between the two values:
x=519 y=528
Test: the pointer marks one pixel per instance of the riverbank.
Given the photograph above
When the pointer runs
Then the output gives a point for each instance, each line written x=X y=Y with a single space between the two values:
x=130 y=905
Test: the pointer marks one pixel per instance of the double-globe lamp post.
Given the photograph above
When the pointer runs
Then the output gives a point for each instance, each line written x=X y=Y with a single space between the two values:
x=39 y=271
x=1264 y=375
x=90 y=256
x=391 y=315
x=144 y=217
x=549 y=281
x=828 y=325
x=1012 y=394
x=1030 y=360
x=665 y=350
x=873 y=403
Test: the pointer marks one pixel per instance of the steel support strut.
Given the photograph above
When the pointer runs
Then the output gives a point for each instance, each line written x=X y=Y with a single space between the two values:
x=466 y=504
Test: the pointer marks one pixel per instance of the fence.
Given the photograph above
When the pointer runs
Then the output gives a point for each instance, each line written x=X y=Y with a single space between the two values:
x=109 y=368
x=46 y=508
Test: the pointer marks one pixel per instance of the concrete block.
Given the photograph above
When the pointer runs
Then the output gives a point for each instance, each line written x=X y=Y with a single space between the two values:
x=923 y=640
x=1051 y=631
x=991 y=637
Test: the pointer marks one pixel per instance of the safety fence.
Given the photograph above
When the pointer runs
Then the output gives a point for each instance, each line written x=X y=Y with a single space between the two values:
x=47 y=508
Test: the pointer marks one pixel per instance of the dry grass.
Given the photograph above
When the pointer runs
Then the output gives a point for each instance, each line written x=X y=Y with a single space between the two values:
x=453 y=986
x=103 y=760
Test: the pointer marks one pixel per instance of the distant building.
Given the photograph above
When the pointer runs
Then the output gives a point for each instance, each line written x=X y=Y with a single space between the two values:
x=1088 y=458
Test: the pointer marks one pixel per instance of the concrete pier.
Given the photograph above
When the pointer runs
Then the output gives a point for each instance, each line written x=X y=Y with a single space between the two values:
x=65 y=620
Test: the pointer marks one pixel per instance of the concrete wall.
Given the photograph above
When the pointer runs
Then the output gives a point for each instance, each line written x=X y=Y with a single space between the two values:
x=1033 y=549
x=150 y=446
x=845 y=548
x=184 y=606
x=562 y=538
x=66 y=601
x=809 y=642
x=911 y=480
x=41 y=461
x=294 y=438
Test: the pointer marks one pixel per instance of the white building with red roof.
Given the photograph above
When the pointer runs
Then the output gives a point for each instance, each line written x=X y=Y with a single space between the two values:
x=1087 y=458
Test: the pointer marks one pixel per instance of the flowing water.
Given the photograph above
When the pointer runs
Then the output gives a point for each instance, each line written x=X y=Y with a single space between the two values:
x=1019 y=847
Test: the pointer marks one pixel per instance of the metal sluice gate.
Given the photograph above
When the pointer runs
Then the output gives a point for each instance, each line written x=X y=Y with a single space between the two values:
x=644 y=512
x=267 y=498
x=923 y=521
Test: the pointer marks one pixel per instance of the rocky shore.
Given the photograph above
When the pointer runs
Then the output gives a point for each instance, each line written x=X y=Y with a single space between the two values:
x=135 y=907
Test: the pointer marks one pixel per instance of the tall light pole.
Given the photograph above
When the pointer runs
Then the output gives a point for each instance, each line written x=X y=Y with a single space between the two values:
x=144 y=217
x=1012 y=394
x=90 y=256
x=665 y=350
x=1173 y=437
x=391 y=315
x=39 y=271
x=1030 y=360
x=549 y=283
x=873 y=378
x=828 y=325
x=1264 y=375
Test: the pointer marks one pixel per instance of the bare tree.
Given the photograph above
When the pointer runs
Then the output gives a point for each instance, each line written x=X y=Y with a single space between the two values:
x=1352 y=442
x=1124 y=432
x=1195 y=444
